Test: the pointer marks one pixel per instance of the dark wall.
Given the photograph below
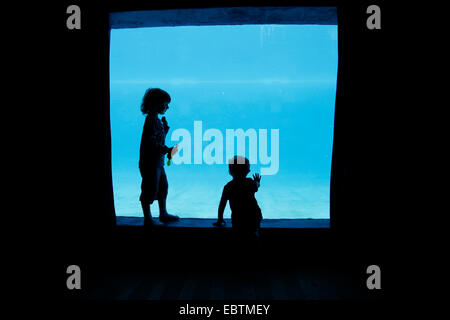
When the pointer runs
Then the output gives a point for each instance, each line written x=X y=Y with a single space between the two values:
x=82 y=207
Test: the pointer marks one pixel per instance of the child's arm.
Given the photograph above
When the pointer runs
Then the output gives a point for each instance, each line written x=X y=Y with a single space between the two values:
x=151 y=137
x=222 y=204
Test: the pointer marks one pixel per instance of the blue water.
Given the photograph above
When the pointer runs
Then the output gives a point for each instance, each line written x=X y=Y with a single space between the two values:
x=281 y=78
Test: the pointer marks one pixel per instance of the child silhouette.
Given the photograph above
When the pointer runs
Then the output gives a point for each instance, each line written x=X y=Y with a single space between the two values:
x=240 y=191
x=151 y=157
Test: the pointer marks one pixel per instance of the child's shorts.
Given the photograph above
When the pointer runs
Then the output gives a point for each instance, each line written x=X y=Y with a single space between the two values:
x=154 y=185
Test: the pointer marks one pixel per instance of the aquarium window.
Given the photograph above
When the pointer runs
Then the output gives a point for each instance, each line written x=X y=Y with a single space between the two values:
x=261 y=90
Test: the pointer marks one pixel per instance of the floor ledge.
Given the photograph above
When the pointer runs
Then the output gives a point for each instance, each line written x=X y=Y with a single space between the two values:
x=208 y=223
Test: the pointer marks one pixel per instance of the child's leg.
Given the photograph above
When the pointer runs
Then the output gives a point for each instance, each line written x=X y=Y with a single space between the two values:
x=163 y=214
x=148 y=221
x=146 y=210
x=162 y=198
x=150 y=180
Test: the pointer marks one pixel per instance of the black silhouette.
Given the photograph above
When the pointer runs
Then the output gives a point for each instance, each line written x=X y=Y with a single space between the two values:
x=151 y=158
x=240 y=192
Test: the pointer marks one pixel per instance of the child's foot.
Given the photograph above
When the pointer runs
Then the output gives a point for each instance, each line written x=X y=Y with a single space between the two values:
x=168 y=217
x=151 y=223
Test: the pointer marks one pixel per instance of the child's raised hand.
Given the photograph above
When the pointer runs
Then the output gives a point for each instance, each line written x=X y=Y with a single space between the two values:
x=257 y=177
x=219 y=223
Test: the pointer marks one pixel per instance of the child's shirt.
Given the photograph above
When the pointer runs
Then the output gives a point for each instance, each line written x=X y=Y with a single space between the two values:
x=153 y=148
x=245 y=211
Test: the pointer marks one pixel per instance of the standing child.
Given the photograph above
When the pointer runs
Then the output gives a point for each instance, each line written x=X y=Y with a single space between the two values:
x=245 y=213
x=151 y=157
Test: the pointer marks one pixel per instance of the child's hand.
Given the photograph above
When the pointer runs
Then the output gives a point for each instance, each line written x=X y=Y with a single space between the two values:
x=257 y=177
x=172 y=152
x=219 y=223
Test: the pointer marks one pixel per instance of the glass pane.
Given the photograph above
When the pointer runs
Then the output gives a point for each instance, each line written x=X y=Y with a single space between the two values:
x=275 y=82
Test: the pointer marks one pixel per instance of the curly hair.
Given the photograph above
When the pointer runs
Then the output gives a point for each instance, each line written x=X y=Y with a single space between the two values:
x=239 y=166
x=152 y=100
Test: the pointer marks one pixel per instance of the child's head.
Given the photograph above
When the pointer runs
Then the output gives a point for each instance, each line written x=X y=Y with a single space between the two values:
x=155 y=101
x=238 y=167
